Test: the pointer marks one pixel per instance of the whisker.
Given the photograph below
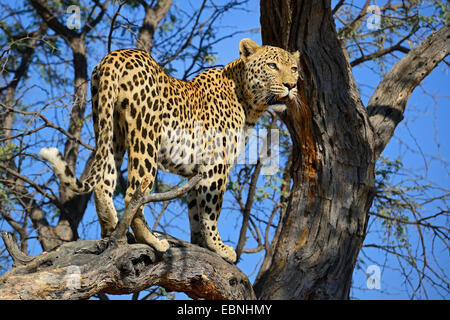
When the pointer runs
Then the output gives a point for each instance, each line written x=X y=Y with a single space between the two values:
x=299 y=103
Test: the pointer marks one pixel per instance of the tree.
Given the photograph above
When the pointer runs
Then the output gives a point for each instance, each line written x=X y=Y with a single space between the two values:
x=323 y=197
x=332 y=187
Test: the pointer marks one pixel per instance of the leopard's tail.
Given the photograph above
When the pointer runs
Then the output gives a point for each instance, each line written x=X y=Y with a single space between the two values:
x=103 y=127
x=65 y=174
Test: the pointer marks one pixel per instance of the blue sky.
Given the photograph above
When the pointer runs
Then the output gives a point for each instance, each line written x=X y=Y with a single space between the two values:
x=424 y=129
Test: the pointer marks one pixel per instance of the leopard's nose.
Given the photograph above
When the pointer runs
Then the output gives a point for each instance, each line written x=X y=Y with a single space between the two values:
x=290 y=85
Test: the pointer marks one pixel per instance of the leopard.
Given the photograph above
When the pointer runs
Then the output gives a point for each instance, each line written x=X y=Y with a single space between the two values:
x=192 y=127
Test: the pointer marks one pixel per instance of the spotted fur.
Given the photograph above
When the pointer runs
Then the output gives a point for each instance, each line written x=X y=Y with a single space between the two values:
x=183 y=127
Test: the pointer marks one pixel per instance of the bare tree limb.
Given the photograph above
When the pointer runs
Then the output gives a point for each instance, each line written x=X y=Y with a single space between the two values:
x=337 y=6
x=74 y=205
x=381 y=52
x=247 y=209
x=113 y=21
x=91 y=23
x=388 y=102
x=346 y=32
x=48 y=124
x=52 y=21
x=14 y=179
x=30 y=182
x=191 y=35
x=20 y=228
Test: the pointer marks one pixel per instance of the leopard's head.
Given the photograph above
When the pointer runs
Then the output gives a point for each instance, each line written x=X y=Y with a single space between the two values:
x=271 y=74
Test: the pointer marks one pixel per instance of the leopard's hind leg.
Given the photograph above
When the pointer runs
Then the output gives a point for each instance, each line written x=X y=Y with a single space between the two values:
x=109 y=152
x=141 y=174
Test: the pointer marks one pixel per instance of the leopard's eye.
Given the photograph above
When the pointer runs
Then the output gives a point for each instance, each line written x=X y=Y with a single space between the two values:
x=294 y=69
x=272 y=66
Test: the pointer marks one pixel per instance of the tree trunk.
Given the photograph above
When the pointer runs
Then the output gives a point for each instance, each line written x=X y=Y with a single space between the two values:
x=333 y=161
x=153 y=16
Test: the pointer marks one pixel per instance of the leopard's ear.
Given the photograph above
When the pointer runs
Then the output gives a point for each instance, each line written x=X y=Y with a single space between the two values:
x=247 y=47
x=296 y=56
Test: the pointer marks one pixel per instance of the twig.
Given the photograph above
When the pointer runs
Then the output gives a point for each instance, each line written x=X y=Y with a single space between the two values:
x=247 y=209
x=48 y=124
x=337 y=7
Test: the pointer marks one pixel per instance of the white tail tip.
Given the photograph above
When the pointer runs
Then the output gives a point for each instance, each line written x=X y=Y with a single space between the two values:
x=48 y=153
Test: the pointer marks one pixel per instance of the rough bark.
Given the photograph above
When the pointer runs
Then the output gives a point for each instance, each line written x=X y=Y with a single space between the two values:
x=106 y=266
x=335 y=149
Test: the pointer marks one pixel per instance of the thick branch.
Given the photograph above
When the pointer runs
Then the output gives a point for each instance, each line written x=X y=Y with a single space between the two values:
x=387 y=104
x=91 y=23
x=174 y=193
x=353 y=25
x=81 y=269
x=74 y=206
x=153 y=16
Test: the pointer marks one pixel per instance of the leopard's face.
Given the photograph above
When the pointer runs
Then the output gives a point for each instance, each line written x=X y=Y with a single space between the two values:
x=271 y=75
